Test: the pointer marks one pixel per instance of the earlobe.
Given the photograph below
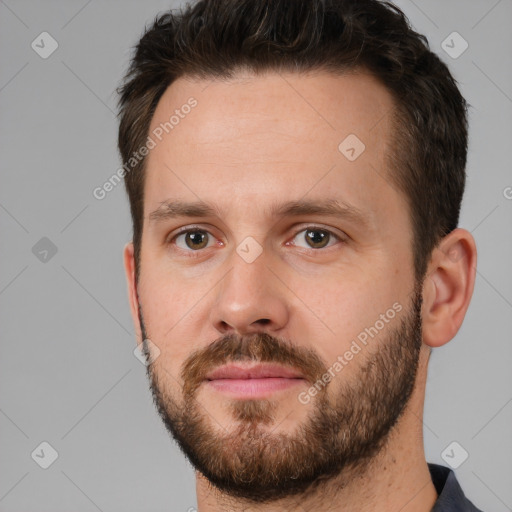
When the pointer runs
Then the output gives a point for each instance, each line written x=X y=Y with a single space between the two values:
x=129 y=267
x=448 y=287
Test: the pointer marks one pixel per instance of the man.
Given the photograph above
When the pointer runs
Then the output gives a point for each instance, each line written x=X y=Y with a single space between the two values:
x=295 y=172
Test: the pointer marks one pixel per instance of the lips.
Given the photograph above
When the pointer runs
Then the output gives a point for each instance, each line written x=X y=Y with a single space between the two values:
x=259 y=371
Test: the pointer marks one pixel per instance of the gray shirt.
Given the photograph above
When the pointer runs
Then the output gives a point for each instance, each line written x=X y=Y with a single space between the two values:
x=450 y=495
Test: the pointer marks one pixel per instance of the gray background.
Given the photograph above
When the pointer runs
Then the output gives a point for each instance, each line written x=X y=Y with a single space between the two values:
x=68 y=375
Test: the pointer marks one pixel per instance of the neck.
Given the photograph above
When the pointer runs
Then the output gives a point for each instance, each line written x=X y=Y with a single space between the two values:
x=397 y=479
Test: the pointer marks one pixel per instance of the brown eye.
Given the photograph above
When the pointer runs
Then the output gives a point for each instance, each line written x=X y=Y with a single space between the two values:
x=194 y=239
x=315 y=238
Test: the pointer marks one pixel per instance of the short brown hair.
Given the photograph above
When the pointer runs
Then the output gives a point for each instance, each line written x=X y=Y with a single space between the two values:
x=216 y=38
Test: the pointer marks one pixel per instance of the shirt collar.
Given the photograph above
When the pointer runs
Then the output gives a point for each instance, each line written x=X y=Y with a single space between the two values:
x=450 y=495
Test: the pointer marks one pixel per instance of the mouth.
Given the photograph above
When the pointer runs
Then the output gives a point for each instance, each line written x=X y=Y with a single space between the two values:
x=258 y=371
x=257 y=381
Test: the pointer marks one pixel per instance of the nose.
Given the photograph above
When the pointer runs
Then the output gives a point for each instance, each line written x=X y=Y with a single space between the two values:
x=250 y=298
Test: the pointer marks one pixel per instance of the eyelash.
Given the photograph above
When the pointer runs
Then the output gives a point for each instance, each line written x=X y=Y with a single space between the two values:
x=192 y=229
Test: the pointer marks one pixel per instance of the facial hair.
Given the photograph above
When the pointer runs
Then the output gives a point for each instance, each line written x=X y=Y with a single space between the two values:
x=348 y=423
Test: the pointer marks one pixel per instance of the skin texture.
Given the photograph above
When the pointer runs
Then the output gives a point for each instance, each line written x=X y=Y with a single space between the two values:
x=251 y=143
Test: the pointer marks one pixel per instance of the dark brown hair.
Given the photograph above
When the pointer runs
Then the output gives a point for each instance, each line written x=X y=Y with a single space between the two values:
x=216 y=38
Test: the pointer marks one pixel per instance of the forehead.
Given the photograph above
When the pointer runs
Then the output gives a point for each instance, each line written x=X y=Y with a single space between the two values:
x=293 y=105
x=260 y=137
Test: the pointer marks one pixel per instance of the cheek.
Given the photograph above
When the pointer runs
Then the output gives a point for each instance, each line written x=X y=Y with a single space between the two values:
x=343 y=304
x=170 y=314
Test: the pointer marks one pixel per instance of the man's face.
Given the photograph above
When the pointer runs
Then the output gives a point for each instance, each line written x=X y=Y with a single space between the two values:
x=330 y=296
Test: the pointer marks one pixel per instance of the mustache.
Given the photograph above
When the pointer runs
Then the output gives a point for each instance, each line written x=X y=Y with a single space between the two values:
x=255 y=347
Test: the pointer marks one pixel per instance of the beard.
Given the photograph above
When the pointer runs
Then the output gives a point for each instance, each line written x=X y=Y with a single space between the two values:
x=344 y=430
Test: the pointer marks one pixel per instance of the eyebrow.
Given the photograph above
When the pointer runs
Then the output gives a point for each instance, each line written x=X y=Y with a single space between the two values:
x=171 y=209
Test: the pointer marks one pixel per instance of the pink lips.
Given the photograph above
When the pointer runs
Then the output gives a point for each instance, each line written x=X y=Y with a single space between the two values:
x=258 y=381
x=259 y=371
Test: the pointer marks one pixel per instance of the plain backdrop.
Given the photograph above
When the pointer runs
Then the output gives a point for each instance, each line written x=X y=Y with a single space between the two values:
x=68 y=375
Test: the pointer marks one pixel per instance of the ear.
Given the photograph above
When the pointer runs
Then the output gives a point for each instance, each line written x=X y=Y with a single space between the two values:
x=129 y=268
x=448 y=287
